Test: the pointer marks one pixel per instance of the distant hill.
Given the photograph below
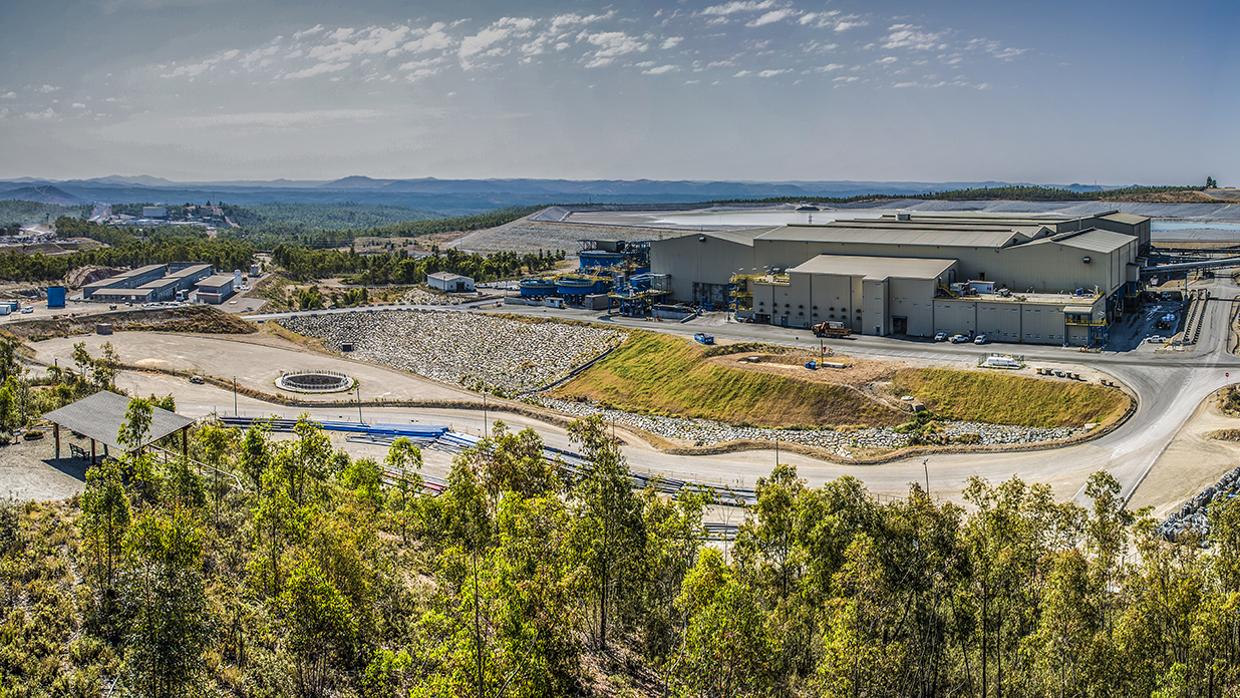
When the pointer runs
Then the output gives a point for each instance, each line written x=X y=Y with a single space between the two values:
x=450 y=197
x=41 y=193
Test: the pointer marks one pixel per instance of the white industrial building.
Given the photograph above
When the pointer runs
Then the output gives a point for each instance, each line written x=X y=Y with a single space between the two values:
x=449 y=282
x=1044 y=279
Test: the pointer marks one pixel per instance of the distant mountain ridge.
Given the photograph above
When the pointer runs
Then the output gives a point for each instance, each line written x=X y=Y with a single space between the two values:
x=456 y=196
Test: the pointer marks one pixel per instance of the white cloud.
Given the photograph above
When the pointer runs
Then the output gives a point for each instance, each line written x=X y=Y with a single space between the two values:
x=193 y=70
x=9 y=95
x=572 y=20
x=611 y=45
x=316 y=29
x=484 y=42
x=772 y=72
x=818 y=19
x=994 y=48
x=315 y=70
x=78 y=105
x=47 y=89
x=671 y=42
x=738 y=6
x=844 y=25
x=279 y=119
x=846 y=79
x=829 y=68
x=45 y=115
x=432 y=38
x=368 y=41
x=742 y=73
x=660 y=69
x=911 y=36
x=771 y=17
x=887 y=60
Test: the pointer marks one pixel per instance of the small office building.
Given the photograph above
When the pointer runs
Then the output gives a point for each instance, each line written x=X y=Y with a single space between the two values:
x=449 y=282
x=215 y=289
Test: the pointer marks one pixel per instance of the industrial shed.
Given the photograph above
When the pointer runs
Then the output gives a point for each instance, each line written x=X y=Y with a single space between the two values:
x=216 y=289
x=874 y=295
x=449 y=282
x=903 y=274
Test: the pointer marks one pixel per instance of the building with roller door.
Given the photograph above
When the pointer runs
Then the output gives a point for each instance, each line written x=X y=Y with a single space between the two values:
x=1043 y=280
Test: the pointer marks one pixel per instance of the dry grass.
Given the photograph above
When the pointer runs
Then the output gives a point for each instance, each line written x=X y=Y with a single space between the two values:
x=201 y=319
x=658 y=374
x=997 y=398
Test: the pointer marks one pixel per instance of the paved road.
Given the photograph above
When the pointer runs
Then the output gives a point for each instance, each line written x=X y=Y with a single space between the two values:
x=1169 y=386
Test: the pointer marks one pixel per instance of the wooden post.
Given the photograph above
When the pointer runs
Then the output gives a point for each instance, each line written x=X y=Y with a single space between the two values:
x=92 y=451
x=185 y=442
x=56 y=435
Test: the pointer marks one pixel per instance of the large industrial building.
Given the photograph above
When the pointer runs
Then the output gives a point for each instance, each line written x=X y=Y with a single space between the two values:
x=1016 y=278
x=151 y=283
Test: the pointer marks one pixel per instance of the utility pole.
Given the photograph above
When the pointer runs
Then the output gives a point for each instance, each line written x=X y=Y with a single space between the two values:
x=235 y=396
x=776 y=451
x=925 y=465
x=486 y=425
x=358 y=389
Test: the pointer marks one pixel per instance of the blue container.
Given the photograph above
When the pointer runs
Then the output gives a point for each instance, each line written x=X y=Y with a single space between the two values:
x=580 y=286
x=537 y=288
x=55 y=296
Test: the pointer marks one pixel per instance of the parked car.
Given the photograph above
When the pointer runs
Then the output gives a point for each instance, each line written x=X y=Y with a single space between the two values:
x=196 y=380
x=959 y=339
x=1155 y=339
x=940 y=336
x=981 y=339
x=28 y=310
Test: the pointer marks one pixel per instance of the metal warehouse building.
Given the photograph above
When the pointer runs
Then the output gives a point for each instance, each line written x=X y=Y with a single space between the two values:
x=1045 y=279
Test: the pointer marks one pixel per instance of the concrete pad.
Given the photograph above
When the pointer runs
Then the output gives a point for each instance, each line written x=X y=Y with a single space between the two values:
x=256 y=361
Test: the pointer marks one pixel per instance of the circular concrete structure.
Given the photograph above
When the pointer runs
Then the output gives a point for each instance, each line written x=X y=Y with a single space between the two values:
x=315 y=381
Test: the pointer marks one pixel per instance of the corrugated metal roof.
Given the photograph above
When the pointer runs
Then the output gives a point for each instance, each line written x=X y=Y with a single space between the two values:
x=1095 y=240
x=217 y=280
x=874 y=267
x=447 y=276
x=189 y=271
x=1078 y=309
x=1126 y=218
x=160 y=283
x=898 y=234
x=101 y=415
x=744 y=236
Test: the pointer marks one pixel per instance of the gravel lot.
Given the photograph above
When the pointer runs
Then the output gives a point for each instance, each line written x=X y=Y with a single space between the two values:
x=704 y=432
x=476 y=351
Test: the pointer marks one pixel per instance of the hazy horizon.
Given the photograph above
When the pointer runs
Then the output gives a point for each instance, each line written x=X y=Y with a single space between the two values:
x=735 y=90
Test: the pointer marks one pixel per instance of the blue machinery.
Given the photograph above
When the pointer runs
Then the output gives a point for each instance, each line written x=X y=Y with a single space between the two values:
x=444 y=439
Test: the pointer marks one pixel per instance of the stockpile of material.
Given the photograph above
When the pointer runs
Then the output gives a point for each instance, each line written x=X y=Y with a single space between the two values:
x=477 y=351
x=1194 y=515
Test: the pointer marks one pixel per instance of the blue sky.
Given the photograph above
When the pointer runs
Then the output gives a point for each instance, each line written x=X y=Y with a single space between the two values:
x=1113 y=92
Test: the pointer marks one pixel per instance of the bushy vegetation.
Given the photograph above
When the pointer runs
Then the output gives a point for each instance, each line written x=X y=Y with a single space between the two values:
x=302 y=264
x=125 y=248
x=337 y=225
x=268 y=568
x=14 y=212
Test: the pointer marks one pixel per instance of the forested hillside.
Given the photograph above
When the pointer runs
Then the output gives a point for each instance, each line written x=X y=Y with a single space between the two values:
x=284 y=568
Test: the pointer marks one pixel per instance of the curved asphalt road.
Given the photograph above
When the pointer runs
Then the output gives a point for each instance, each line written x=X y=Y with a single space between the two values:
x=1169 y=386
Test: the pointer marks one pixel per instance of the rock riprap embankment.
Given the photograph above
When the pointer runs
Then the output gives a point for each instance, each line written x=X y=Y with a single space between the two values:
x=1194 y=515
x=476 y=351
x=844 y=444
